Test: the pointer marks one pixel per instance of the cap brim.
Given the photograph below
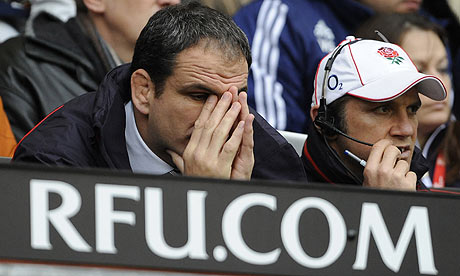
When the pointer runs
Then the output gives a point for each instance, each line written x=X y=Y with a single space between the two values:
x=397 y=83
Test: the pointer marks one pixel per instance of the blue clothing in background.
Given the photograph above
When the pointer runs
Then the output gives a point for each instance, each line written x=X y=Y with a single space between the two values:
x=288 y=39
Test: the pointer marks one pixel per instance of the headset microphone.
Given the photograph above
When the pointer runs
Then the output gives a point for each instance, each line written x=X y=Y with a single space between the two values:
x=322 y=120
x=329 y=128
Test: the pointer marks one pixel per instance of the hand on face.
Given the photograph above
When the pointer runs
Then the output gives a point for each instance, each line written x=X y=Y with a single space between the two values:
x=244 y=160
x=385 y=171
x=210 y=152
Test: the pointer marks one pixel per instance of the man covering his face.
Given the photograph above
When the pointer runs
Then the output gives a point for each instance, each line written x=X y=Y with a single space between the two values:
x=180 y=107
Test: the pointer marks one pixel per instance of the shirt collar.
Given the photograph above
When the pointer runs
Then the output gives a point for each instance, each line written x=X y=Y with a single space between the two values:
x=141 y=157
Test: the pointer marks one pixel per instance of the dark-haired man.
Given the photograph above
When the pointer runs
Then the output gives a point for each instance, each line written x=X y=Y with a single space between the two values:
x=364 y=112
x=180 y=105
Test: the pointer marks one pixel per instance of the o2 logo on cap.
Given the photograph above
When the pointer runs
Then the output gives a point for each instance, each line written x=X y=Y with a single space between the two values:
x=333 y=83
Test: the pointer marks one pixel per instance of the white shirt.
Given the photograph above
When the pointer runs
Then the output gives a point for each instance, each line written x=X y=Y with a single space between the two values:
x=141 y=158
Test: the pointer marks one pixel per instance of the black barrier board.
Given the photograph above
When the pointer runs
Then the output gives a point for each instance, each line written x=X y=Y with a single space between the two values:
x=215 y=226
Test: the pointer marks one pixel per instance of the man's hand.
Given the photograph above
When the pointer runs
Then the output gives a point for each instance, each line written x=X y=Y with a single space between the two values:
x=210 y=152
x=244 y=160
x=384 y=170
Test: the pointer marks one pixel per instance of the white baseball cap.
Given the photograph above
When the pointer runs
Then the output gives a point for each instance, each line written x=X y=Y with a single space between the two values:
x=373 y=71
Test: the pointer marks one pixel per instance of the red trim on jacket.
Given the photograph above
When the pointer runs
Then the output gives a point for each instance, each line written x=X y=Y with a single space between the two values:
x=30 y=131
x=307 y=154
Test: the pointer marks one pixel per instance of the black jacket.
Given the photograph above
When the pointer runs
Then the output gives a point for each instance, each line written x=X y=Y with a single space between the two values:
x=323 y=166
x=89 y=131
x=53 y=63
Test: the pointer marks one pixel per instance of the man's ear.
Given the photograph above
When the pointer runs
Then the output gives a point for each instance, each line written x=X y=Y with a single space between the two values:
x=95 y=6
x=329 y=134
x=314 y=113
x=142 y=90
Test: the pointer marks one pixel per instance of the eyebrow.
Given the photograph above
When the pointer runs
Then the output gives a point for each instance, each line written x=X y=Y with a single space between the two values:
x=207 y=89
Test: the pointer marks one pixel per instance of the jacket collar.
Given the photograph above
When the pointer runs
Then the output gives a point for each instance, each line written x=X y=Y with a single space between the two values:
x=321 y=162
x=109 y=116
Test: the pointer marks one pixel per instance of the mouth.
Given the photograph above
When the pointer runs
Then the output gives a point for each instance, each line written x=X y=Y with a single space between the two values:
x=405 y=152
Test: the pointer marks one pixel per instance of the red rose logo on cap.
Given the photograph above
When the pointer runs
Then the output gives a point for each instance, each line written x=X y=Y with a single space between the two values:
x=390 y=54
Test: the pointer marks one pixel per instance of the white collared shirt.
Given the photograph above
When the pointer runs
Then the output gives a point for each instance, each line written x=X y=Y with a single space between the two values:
x=141 y=157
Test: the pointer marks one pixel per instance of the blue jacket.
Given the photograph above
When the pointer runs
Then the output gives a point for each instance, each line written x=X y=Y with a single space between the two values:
x=89 y=131
x=288 y=39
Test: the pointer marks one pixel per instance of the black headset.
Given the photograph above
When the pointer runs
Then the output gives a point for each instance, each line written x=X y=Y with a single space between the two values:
x=323 y=120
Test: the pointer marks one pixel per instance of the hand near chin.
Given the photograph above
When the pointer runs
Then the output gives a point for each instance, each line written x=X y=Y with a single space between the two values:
x=219 y=148
x=385 y=171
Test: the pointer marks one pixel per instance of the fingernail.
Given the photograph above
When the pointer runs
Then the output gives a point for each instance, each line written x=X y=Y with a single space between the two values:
x=241 y=124
x=236 y=105
x=227 y=96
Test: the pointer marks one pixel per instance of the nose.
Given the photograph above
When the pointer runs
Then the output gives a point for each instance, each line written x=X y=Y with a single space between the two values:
x=165 y=3
x=404 y=125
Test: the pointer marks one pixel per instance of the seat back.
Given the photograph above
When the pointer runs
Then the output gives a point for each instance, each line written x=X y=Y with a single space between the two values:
x=297 y=140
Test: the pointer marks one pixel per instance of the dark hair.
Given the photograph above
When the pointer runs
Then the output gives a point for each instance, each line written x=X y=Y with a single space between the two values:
x=394 y=25
x=451 y=147
x=81 y=7
x=179 y=27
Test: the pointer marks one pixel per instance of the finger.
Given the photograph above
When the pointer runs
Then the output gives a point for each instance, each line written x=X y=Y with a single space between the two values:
x=398 y=177
x=390 y=156
x=234 y=91
x=223 y=131
x=214 y=120
x=244 y=161
x=247 y=144
x=376 y=154
x=235 y=98
x=200 y=123
x=230 y=148
x=401 y=168
x=243 y=100
x=177 y=160
x=411 y=181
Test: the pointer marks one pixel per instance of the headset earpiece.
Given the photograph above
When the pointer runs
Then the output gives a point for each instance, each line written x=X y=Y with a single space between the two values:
x=323 y=121
x=326 y=126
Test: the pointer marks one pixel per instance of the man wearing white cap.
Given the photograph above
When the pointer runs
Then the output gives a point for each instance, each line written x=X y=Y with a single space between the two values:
x=364 y=111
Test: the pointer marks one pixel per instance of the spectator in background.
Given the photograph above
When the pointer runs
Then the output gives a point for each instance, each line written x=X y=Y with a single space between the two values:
x=364 y=110
x=288 y=39
x=181 y=103
x=228 y=7
x=55 y=62
x=7 y=140
x=61 y=9
x=443 y=13
x=425 y=43
x=13 y=16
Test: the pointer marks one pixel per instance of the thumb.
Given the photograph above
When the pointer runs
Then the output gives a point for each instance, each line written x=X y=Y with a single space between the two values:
x=177 y=159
